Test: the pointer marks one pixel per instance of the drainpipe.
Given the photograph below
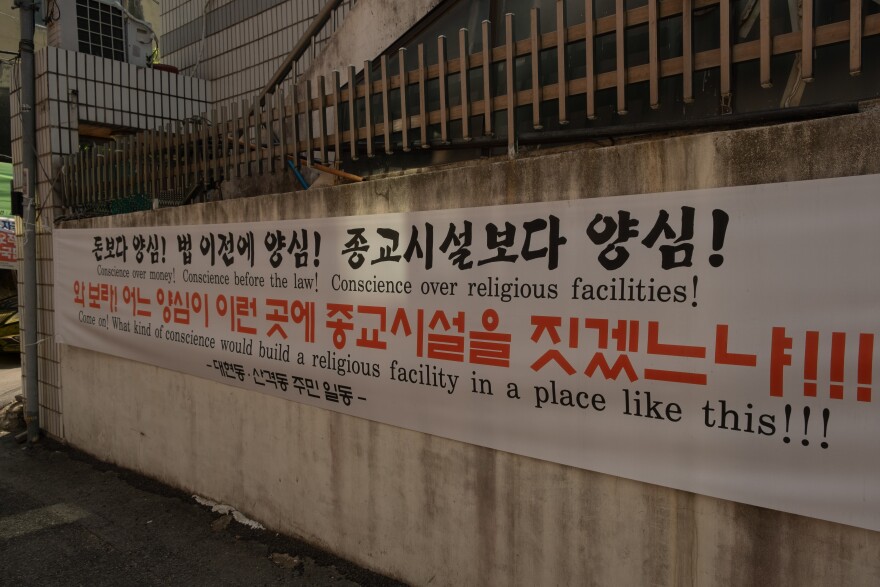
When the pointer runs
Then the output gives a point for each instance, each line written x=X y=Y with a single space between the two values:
x=27 y=9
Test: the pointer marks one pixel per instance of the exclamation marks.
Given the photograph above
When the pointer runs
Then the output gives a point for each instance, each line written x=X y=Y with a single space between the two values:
x=811 y=363
x=719 y=231
x=826 y=415
x=694 y=303
x=317 y=261
x=866 y=370
x=837 y=361
x=838 y=350
x=163 y=249
x=806 y=442
x=785 y=438
x=317 y=247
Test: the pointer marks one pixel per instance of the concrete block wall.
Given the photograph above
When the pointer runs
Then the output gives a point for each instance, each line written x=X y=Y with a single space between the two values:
x=48 y=352
x=107 y=92
x=73 y=89
x=56 y=136
x=237 y=44
x=432 y=511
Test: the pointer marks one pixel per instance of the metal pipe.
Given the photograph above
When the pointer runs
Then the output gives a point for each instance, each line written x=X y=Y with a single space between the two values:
x=301 y=47
x=298 y=175
x=29 y=155
x=331 y=171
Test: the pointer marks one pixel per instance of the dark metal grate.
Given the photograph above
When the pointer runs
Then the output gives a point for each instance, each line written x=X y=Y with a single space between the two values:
x=100 y=29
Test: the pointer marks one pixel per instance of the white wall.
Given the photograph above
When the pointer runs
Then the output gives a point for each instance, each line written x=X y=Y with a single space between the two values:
x=237 y=44
x=433 y=511
x=372 y=27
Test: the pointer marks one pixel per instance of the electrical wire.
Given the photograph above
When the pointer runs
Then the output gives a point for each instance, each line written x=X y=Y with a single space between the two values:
x=53 y=14
x=52 y=183
x=202 y=40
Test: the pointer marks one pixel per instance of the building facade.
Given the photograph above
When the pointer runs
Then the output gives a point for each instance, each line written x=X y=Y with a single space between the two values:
x=449 y=109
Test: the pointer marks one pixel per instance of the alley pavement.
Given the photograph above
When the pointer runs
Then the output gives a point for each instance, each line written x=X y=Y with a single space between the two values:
x=66 y=519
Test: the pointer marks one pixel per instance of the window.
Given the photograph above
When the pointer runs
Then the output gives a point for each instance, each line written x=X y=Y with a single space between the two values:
x=100 y=29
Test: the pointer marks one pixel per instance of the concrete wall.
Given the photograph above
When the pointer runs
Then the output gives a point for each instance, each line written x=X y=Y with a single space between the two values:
x=372 y=27
x=238 y=44
x=433 y=511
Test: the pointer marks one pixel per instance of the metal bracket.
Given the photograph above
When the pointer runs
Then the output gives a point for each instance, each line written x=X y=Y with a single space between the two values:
x=726 y=100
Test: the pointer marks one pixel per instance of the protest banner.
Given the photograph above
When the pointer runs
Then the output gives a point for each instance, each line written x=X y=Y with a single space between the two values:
x=716 y=341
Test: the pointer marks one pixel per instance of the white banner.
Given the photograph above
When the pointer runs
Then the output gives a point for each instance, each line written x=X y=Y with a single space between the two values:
x=716 y=341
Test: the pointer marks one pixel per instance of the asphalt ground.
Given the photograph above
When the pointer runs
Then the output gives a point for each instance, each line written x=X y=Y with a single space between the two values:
x=67 y=519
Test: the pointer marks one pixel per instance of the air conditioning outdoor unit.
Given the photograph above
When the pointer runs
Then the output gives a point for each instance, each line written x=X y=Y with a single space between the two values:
x=103 y=28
